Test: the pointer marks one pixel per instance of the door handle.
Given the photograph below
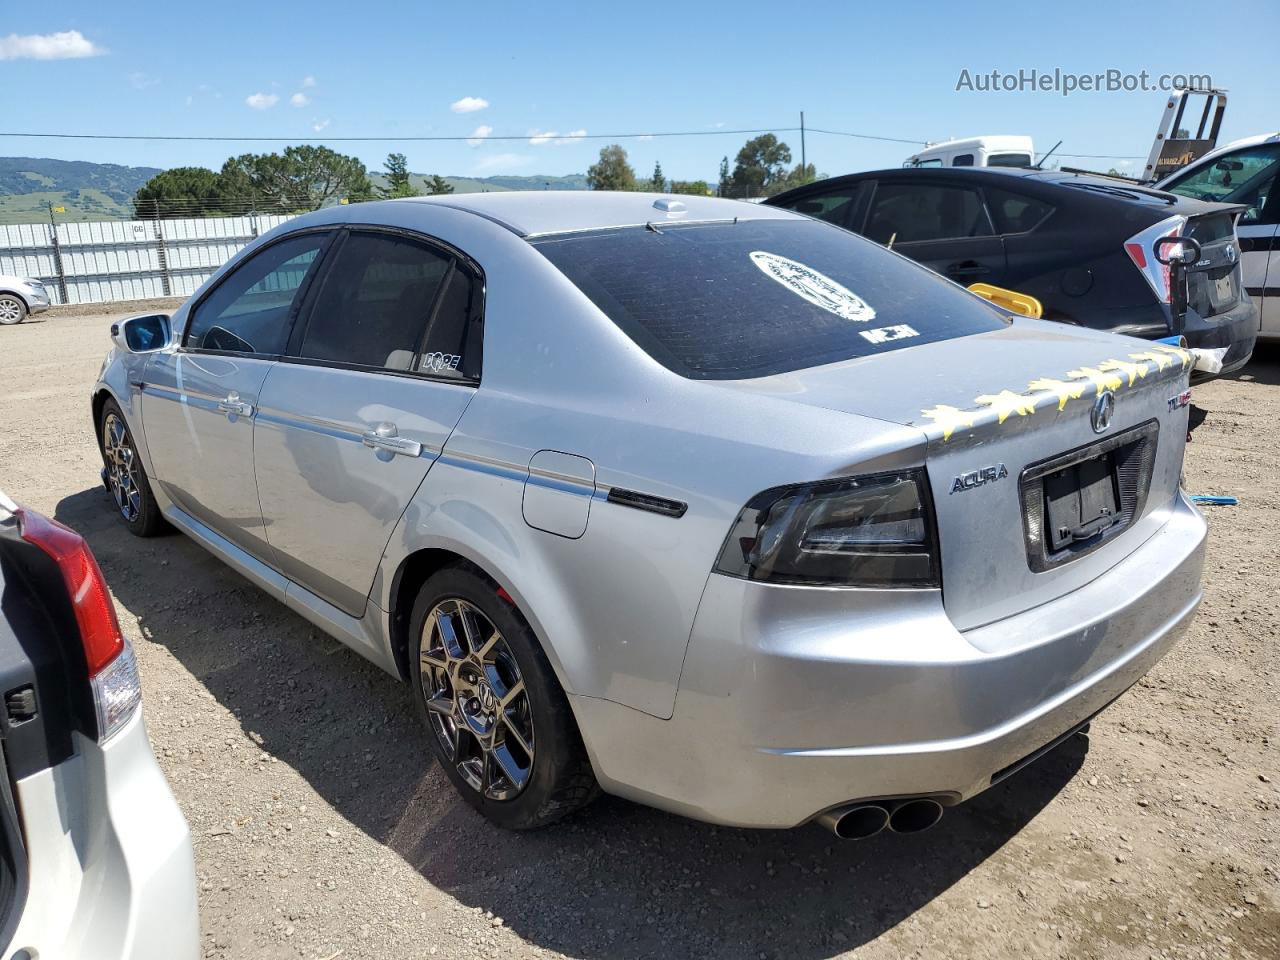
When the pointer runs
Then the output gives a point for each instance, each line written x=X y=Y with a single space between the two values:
x=233 y=406
x=383 y=438
x=967 y=268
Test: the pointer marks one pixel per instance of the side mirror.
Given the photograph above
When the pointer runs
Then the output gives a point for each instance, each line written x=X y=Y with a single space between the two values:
x=142 y=334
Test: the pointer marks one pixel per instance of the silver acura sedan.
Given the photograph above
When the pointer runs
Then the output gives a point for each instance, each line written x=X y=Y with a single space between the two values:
x=706 y=504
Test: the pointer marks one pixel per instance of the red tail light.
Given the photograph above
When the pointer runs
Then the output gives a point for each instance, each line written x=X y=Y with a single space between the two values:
x=96 y=617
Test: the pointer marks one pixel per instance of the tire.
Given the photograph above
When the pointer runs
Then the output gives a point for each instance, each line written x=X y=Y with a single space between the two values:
x=124 y=476
x=478 y=739
x=13 y=309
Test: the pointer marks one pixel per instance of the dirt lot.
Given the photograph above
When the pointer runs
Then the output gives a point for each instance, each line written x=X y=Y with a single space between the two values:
x=322 y=830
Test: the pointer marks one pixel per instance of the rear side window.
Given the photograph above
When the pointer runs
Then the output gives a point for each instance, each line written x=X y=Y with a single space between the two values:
x=911 y=212
x=376 y=302
x=963 y=160
x=1009 y=160
x=1015 y=212
x=249 y=311
x=761 y=297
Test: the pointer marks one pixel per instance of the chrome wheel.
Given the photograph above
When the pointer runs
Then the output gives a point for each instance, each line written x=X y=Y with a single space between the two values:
x=121 y=467
x=11 y=310
x=476 y=699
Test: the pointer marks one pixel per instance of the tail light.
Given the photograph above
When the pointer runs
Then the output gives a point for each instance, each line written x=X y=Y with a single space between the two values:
x=873 y=531
x=1140 y=248
x=117 y=690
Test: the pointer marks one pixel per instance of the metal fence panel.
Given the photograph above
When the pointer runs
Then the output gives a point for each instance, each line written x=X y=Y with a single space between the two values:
x=121 y=260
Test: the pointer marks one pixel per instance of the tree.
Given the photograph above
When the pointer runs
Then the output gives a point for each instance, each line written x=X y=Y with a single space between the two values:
x=181 y=192
x=302 y=178
x=611 y=171
x=798 y=176
x=438 y=184
x=760 y=163
x=697 y=188
x=398 y=182
x=723 y=187
x=658 y=182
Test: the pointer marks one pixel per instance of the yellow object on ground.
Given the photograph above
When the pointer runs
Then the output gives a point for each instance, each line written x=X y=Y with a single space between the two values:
x=1009 y=299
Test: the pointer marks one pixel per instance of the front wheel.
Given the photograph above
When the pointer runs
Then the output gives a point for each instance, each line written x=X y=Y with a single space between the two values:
x=124 y=477
x=498 y=721
x=12 y=309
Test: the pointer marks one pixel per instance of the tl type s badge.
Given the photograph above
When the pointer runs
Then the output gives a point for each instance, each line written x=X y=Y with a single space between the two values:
x=1179 y=400
x=978 y=478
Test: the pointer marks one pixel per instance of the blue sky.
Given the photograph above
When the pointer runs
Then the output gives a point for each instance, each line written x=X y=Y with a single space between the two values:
x=307 y=72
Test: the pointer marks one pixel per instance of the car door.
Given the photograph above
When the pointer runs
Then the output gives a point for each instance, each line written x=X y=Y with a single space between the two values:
x=385 y=358
x=1247 y=176
x=941 y=224
x=199 y=400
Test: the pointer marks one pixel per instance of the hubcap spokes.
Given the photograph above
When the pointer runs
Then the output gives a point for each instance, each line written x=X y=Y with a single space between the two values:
x=122 y=467
x=476 y=697
x=9 y=310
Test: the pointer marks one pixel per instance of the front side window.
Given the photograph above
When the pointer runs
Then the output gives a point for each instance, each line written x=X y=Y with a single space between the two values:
x=1246 y=176
x=250 y=311
x=392 y=303
x=911 y=212
x=835 y=207
x=754 y=298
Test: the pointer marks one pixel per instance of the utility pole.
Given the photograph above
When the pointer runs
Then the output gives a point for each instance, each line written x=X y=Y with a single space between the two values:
x=804 y=163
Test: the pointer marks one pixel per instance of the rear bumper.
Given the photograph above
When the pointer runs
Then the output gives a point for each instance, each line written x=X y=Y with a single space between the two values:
x=1236 y=330
x=110 y=859
x=795 y=700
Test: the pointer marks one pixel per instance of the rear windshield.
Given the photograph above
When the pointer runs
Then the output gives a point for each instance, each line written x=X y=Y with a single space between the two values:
x=752 y=298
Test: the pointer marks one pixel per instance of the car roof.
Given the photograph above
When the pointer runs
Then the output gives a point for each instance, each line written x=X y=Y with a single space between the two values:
x=539 y=212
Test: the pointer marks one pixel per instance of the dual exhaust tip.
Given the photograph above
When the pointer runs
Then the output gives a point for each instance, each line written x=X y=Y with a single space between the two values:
x=863 y=820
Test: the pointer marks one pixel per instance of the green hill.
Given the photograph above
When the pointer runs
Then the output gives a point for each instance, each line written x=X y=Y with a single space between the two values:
x=574 y=181
x=88 y=191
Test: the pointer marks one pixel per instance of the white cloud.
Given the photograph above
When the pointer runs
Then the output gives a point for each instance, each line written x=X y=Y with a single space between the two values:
x=647 y=136
x=140 y=81
x=318 y=125
x=538 y=138
x=261 y=101
x=67 y=45
x=308 y=81
x=503 y=163
x=299 y=100
x=468 y=104
x=479 y=135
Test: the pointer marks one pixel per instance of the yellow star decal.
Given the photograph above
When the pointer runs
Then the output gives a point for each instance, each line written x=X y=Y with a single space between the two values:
x=948 y=418
x=1007 y=402
x=1062 y=389
x=1161 y=360
x=1178 y=352
x=1101 y=381
x=1132 y=370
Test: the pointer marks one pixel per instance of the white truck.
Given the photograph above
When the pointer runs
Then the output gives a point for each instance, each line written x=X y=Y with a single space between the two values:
x=998 y=151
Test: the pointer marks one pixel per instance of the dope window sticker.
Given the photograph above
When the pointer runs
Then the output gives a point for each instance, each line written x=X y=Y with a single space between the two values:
x=900 y=331
x=817 y=288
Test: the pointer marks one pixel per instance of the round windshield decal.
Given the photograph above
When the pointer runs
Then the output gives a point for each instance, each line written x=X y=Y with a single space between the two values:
x=817 y=288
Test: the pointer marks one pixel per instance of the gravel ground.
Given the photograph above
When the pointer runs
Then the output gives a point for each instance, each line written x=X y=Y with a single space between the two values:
x=323 y=831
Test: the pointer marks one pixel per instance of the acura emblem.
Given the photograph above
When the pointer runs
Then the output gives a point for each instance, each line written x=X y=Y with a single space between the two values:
x=1231 y=253
x=1103 y=408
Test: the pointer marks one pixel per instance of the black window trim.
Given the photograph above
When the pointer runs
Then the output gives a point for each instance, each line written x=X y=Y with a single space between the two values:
x=303 y=289
x=475 y=322
x=1053 y=208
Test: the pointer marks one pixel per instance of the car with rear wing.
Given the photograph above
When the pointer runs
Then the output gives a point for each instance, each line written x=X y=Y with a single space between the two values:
x=1084 y=246
x=95 y=856
x=710 y=505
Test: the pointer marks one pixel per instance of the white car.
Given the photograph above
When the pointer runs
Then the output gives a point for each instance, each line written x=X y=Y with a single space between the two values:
x=95 y=856
x=1245 y=172
x=20 y=297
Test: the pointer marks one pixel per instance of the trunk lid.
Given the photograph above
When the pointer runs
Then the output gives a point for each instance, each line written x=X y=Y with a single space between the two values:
x=1021 y=480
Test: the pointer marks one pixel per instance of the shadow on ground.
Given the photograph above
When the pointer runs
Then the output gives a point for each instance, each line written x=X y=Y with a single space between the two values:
x=1264 y=367
x=618 y=880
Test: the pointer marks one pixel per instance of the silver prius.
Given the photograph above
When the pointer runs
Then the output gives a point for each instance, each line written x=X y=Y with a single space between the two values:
x=706 y=504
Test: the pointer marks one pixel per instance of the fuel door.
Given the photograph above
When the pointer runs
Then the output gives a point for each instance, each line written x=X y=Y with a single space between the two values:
x=557 y=493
